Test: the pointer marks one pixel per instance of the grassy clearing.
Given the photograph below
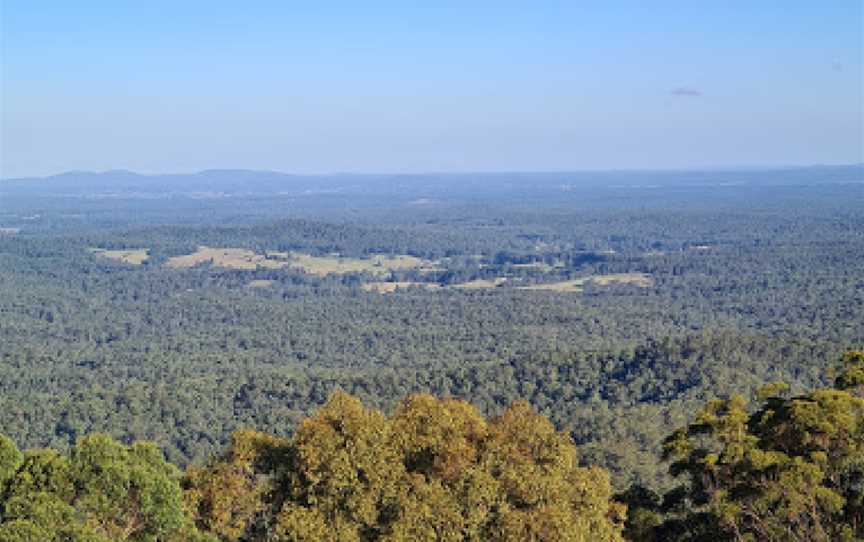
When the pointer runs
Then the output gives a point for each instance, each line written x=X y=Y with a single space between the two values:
x=377 y=265
x=232 y=258
x=641 y=280
x=259 y=283
x=241 y=258
x=480 y=284
x=571 y=286
x=390 y=287
x=131 y=257
x=540 y=266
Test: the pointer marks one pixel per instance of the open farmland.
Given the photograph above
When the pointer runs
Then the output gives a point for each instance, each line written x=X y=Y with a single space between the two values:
x=377 y=265
x=572 y=286
x=540 y=266
x=390 y=287
x=232 y=258
x=259 y=283
x=132 y=257
x=641 y=280
x=481 y=284
x=321 y=266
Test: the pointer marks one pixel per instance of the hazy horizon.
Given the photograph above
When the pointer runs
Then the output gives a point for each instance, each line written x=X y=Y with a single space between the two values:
x=447 y=88
x=719 y=169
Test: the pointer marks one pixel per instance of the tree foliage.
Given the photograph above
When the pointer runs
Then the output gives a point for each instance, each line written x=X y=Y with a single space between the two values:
x=792 y=470
x=434 y=470
x=103 y=491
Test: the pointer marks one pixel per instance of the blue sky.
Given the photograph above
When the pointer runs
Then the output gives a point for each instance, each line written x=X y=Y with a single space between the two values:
x=318 y=87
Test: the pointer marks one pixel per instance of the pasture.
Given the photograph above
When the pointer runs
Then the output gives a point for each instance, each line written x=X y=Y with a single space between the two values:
x=321 y=266
x=259 y=283
x=132 y=257
x=378 y=264
x=480 y=284
x=571 y=286
x=390 y=287
x=232 y=258
x=642 y=280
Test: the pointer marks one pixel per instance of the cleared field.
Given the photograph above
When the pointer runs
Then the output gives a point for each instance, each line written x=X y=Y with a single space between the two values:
x=377 y=265
x=541 y=266
x=132 y=257
x=233 y=258
x=572 y=286
x=641 y=280
x=259 y=283
x=241 y=258
x=390 y=287
x=480 y=284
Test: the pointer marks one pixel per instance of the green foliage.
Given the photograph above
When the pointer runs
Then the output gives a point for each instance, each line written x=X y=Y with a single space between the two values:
x=437 y=470
x=851 y=376
x=104 y=491
x=10 y=459
x=22 y=530
x=128 y=493
x=793 y=470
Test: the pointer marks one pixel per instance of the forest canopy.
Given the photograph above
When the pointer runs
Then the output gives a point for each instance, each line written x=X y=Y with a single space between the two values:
x=616 y=305
x=726 y=298
x=436 y=469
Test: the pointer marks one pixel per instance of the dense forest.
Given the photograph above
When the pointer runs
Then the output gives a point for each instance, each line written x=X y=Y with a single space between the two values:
x=437 y=470
x=615 y=310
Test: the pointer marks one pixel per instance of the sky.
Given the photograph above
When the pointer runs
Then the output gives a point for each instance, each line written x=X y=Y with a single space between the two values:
x=383 y=87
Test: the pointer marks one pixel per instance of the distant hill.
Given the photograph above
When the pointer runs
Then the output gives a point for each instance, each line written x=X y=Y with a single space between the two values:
x=244 y=181
x=82 y=199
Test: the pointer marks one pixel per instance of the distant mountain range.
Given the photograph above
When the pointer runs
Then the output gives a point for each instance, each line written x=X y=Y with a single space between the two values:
x=251 y=181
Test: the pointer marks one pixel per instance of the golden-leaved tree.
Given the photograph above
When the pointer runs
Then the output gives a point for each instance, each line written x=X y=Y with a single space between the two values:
x=434 y=470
